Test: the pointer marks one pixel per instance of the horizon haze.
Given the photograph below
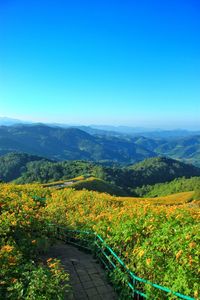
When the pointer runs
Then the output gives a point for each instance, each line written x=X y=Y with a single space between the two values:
x=6 y=121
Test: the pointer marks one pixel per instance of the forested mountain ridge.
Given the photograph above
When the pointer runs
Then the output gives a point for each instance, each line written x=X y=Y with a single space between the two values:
x=186 y=148
x=93 y=129
x=76 y=144
x=69 y=144
x=149 y=172
x=24 y=168
x=12 y=165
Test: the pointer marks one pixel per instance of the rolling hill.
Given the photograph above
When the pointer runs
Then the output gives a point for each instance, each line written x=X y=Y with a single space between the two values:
x=25 y=168
x=98 y=185
x=186 y=149
x=12 y=165
x=168 y=188
x=152 y=171
x=69 y=144
x=86 y=143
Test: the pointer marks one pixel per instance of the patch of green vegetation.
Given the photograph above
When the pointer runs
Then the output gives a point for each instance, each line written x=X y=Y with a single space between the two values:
x=43 y=172
x=197 y=193
x=23 y=168
x=98 y=185
x=12 y=165
x=162 y=169
x=163 y=189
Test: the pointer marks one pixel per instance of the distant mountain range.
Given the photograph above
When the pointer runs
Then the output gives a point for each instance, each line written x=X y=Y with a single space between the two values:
x=75 y=144
x=69 y=144
x=8 y=121
x=110 y=130
x=148 y=132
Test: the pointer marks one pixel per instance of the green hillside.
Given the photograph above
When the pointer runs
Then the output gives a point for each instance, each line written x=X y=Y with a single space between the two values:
x=39 y=171
x=13 y=165
x=98 y=185
x=186 y=149
x=163 y=189
x=69 y=144
x=161 y=169
x=25 y=168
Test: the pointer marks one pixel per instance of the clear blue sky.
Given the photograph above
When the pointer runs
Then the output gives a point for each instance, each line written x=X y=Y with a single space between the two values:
x=104 y=62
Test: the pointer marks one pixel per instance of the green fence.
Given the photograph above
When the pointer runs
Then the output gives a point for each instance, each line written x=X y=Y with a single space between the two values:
x=126 y=282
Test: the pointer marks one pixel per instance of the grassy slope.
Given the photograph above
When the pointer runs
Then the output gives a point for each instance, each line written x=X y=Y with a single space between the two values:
x=101 y=186
x=94 y=184
x=166 y=193
x=175 y=199
x=168 y=188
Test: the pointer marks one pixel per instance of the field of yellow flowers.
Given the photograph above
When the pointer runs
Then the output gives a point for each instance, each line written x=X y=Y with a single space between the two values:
x=23 y=236
x=159 y=239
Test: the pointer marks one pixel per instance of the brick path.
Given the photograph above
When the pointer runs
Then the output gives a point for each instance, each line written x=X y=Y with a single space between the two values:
x=87 y=278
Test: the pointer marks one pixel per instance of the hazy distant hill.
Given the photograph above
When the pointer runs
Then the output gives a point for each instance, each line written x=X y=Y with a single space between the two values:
x=145 y=132
x=186 y=149
x=70 y=143
x=108 y=130
x=76 y=144
x=10 y=121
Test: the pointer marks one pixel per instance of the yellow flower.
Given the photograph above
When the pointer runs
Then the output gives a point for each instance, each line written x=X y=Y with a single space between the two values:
x=126 y=254
x=196 y=294
x=179 y=253
x=52 y=265
x=148 y=261
x=187 y=237
x=192 y=244
x=7 y=248
x=141 y=253
x=190 y=260
x=33 y=241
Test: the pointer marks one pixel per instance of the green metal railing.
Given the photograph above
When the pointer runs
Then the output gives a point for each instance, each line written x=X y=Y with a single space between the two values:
x=127 y=281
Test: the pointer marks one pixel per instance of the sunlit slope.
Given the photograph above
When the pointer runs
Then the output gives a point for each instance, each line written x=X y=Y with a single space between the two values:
x=177 y=185
x=98 y=185
x=90 y=184
x=175 y=199
x=158 y=238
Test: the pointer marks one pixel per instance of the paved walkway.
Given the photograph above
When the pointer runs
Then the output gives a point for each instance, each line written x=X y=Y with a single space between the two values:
x=87 y=278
